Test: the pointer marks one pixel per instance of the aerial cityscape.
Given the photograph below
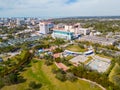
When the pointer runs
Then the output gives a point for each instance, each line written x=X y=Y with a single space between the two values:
x=59 y=45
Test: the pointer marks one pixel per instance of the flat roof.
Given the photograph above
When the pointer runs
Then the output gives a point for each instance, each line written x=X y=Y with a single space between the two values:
x=80 y=58
x=98 y=39
x=62 y=66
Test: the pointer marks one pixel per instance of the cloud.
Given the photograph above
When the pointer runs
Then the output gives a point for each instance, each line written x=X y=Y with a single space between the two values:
x=56 y=8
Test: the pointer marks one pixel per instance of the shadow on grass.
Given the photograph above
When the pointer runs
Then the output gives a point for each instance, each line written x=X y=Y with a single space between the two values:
x=21 y=80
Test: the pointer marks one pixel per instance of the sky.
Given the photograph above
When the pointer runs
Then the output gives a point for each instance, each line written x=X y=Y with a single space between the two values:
x=59 y=8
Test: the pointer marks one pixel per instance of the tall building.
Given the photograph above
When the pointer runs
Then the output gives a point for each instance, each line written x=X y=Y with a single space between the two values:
x=18 y=22
x=45 y=27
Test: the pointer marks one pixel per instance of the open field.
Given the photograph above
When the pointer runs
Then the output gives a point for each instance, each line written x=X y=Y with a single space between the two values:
x=41 y=73
x=75 y=48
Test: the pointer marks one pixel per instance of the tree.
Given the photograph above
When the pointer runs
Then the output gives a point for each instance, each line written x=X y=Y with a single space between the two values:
x=114 y=75
x=117 y=59
x=1 y=82
x=59 y=41
x=71 y=77
x=47 y=57
x=58 y=50
x=54 y=70
x=34 y=85
x=48 y=62
x=13 y=78
x=116 y=79
x=61 y=76
x=58 y=60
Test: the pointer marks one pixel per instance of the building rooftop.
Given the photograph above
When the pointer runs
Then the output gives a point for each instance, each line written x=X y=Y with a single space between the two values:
x=80 y=58
x=62 y=66
x=100 y=40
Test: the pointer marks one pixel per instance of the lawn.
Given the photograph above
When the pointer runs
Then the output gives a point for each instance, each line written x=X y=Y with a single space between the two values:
x=89 y=59
x=69 y=57
x=75 y=48
x=115 y=72
x=41 y=73
x=103 y=56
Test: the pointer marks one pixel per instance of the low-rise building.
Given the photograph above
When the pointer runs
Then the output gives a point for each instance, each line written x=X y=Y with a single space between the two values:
x=62 y=66
x=84 y=31
x=62 y=34
x=79 y=59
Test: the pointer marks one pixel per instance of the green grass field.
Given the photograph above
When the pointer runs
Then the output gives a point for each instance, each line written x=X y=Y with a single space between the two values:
x=114 y=72
x=103 y=56
x=41 y=73
x=75 y=48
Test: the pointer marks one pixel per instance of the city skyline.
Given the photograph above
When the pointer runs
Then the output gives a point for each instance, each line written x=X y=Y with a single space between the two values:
x=58 y=8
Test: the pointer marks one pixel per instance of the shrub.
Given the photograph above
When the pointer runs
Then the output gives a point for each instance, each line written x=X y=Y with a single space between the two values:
x=61 y=76
x=71 y=77
x=34 y=85
x=1 y=83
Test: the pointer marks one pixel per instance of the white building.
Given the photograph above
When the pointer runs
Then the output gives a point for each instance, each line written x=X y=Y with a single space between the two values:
x=18 y=22
x=84 y=31
x=76 y=29
x=45 y=27
x=68 y=27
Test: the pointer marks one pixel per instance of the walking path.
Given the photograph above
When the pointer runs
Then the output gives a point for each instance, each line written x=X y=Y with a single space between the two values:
x=92 y=83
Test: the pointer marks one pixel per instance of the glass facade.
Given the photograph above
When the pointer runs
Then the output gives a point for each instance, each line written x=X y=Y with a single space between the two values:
x=63 y=34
